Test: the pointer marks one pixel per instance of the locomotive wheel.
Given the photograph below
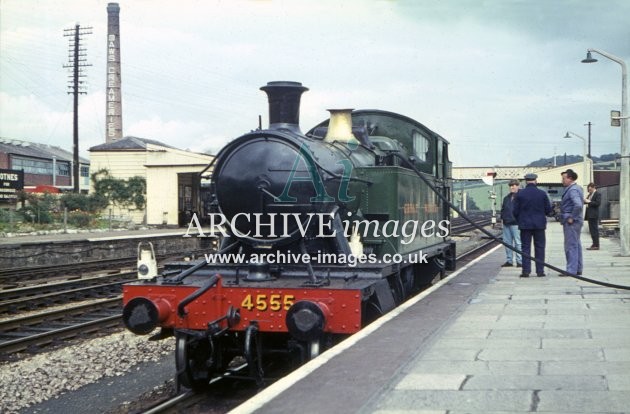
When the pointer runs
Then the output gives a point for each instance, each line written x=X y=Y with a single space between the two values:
x=440 y=264
x=426 y=273
x=193 y=359
x=397 y=288
x=370 y=311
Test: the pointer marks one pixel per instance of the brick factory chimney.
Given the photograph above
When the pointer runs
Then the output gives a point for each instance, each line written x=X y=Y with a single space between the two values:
x=113 y=109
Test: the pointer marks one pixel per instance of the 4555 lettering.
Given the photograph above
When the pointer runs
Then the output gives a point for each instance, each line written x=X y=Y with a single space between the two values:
x=264 y=302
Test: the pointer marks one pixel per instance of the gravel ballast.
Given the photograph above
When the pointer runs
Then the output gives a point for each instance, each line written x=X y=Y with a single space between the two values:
x=37 y=378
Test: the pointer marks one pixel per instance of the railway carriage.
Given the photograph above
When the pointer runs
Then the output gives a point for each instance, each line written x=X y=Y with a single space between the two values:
x=322 y=233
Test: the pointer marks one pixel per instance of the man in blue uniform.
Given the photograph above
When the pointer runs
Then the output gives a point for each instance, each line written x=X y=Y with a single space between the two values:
x=571 y=217
x=531 y=208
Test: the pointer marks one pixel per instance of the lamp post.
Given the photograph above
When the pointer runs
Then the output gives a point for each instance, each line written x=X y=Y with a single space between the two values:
x=624 y=180
x=586 y=177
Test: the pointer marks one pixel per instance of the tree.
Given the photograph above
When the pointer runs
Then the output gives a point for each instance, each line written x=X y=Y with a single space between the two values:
x=129 y=193
x=40 y=208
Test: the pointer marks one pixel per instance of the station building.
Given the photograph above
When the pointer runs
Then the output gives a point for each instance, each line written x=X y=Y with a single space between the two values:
x=43 y=166
x=172 y=177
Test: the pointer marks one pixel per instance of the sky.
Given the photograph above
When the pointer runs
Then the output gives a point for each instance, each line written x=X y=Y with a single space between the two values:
x=500 y=79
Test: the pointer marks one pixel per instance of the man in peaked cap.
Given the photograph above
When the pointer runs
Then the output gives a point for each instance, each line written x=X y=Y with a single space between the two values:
x=531 y=208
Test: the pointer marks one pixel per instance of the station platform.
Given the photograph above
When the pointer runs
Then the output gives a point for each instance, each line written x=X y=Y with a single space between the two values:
x=483 y=340
x=58 y=248
x=74 y=235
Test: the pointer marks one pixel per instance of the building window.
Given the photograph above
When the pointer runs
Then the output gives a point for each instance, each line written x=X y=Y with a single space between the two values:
x=31 y=165
x=63 y=168
x=85 y=171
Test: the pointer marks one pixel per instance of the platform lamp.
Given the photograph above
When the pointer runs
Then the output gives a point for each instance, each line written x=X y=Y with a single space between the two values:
x=624 y=179
x=586 y=177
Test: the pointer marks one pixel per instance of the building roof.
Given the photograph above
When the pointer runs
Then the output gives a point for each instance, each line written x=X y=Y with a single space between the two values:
x=35 y=150
x=128 y=144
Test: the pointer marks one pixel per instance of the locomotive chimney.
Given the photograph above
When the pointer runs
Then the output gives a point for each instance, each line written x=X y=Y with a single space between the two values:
x=340 y=126
x=284 y=104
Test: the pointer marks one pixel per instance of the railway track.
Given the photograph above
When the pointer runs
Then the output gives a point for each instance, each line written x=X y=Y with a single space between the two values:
x=17 y=277
x=34 y=297
x=41 y=329
x=26 y=333
x=37 y=291
x=460 y=225
x=229 y=391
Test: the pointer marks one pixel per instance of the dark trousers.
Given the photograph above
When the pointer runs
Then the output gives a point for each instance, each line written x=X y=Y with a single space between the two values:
x=539 y=249
x=594 y=230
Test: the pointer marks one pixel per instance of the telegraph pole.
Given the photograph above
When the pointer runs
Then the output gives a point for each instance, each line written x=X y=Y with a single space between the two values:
x=76 y=61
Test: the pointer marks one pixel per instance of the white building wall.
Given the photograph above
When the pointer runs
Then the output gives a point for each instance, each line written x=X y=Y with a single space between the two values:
x=159 y=166
x=162 y=195
x=120 y=165
x=162 y=192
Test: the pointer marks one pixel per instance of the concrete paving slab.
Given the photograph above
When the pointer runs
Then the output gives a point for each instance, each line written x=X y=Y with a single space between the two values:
x=617 y=354
x=583 y=401
x=475 y=367
x=619 y=382
x=481 y=343
x=540 y=333
x=457 y=400
x=411 y=412
x=465 y=332
x=431 y=382
x=614 y=324
x=519 y=319
x=549 y=354
x=500 y=324
x=449 y=354
x=536 y=382
x=605 y=368
x=613 y=342
x=606 y=332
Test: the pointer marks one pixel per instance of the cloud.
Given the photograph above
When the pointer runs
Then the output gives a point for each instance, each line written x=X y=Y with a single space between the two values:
x=13 y=124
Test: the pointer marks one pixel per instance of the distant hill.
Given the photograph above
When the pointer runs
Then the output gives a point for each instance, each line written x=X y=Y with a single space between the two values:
x=571 y=159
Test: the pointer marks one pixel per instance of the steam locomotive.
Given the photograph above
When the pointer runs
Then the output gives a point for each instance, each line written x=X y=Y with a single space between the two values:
x=321 y=233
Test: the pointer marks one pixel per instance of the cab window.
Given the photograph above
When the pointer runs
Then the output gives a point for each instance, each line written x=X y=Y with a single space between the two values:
x=420 y=146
